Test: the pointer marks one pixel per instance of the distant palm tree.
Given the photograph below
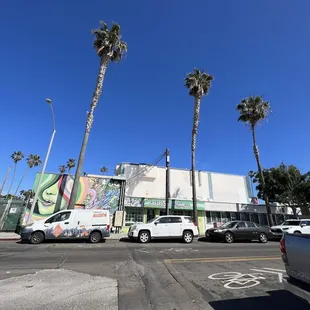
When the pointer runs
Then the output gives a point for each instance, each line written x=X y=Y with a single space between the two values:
x=104 y=169
x=33 y=160
x=109 y=48
x=251 y=175
x=198 y=83
x=16 y=156
x=26 y=194
x=253 y=110
x=62 y=169
x=70 y=164
x=84 y=174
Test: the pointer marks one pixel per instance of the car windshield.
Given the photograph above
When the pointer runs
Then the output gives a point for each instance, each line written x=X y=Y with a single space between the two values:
x=291 y=223
x=229 y=225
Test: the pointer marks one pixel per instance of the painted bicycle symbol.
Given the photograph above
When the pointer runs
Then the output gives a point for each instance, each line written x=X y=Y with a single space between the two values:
x=237 y=280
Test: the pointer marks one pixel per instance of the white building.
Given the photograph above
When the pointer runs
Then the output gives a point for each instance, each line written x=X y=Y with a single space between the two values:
x=221 y=197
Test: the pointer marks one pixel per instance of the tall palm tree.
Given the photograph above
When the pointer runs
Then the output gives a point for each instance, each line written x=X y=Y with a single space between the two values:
x=109 y=48
x=33 y=160
x=70 y=164
x=253 y=110
x=198 y=83
x=16 y=157
x=104 y=169
x=62 y=169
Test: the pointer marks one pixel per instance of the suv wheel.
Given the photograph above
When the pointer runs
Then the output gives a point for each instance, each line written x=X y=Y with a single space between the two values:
x=188 y=236
x=144 y=236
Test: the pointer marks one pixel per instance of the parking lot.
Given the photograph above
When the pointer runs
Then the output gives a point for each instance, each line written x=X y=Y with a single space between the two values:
x=162 y=275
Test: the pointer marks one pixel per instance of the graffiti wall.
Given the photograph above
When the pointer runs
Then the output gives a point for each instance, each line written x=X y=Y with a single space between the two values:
x=93 y=193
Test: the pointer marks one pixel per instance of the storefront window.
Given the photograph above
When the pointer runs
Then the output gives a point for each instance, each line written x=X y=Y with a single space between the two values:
x=134 y=215
x=226 y=217
x=150 y=214
x=263 y=219
x=254 y=218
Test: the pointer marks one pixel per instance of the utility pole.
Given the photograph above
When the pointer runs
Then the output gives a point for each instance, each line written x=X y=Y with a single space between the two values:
x=167 y=180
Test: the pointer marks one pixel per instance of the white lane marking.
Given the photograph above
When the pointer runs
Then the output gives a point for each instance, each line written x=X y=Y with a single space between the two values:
x=273 y=269
x=237 y=280
x=280 y=275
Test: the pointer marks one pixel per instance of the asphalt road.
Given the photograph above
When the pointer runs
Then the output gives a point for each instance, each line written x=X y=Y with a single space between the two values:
x=165 y=275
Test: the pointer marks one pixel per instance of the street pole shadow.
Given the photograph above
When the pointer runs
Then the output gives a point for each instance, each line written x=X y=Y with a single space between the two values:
x=280 y=299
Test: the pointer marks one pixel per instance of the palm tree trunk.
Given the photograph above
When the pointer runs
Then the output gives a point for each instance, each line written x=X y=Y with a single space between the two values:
x=14 y=172
x=194 y=137
x=21 y=180
x=90 y=116
x=5 y=179
x=262 y=178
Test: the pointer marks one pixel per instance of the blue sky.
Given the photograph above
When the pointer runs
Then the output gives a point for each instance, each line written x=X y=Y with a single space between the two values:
x=251 y=48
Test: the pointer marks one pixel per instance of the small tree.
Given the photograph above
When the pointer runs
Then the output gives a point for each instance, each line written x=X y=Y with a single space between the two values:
x=16 y=157
x=62 y=169
x=70 y=164
x=33 y=160
x=109 y=48
x=198 y=83
x=104 y=170
x=253 y=110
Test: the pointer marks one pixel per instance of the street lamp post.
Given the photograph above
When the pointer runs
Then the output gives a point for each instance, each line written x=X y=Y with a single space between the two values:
x=49 y=101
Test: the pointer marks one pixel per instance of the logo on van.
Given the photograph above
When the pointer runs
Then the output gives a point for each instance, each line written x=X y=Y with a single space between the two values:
x=100 y=215
x=57 y=231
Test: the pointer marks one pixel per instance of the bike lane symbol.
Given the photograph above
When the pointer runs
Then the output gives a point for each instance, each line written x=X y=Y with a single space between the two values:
x=237 y=280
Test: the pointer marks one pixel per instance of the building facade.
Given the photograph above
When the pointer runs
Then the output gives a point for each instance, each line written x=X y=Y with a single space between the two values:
x=221 y=197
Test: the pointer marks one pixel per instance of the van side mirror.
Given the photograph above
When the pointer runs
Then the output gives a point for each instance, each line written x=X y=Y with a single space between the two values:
x=155 y=223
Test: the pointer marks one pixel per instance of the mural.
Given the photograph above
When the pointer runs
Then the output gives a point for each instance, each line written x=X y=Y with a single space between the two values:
x=93 y=193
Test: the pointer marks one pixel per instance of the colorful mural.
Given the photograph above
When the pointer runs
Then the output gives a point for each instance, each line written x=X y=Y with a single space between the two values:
x=93 y=193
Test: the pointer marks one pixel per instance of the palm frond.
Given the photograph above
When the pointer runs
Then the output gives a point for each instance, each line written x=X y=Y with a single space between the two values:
x=198 y=82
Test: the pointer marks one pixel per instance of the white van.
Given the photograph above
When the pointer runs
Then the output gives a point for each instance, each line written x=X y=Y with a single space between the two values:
x=70 y=224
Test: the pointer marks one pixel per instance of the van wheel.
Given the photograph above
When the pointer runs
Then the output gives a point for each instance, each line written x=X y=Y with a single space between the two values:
x=188 y=236
x=263 y=238
x=95 y=237
x=37 y=237
x=144 y=236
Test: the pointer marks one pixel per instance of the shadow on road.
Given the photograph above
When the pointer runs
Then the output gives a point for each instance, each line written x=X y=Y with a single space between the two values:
x=276 y=300
x=125 y=239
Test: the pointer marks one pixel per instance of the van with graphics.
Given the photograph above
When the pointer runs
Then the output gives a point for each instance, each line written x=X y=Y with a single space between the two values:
x=93 y=225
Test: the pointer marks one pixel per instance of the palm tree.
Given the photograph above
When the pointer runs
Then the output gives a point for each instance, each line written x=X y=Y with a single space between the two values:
x=253 y=110
x=109 y=48
x=104 y=169
x=84 y=174
x=26 y=194
x=16 y=156
x=70 y=164
x=251 y=175
x=33 y=160
x=62 y=169
x=198 y=83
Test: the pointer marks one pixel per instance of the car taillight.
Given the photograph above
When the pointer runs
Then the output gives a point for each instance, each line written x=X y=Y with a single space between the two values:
x=282 y=246
x=195 y=224
x=108 y=227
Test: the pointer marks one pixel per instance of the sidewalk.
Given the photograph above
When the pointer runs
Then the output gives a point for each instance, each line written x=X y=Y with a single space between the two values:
x=9 y=236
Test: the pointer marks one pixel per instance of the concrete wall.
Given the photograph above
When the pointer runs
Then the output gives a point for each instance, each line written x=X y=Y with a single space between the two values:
x=148 y=181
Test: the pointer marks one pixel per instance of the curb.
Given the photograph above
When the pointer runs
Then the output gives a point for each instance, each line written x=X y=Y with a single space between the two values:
x=15 y=239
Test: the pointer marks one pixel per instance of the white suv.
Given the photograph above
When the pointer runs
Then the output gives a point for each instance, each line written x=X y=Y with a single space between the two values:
x=168 y=226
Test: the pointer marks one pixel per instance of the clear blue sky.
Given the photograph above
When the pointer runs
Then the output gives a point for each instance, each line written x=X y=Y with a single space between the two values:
x=251 y=47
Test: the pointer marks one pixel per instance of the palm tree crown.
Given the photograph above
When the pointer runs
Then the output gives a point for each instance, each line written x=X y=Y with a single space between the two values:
x=17 y=156
x=33 y=160
x=104 y=169
x=198 y=83
x=70 y=164
x=62 y=169
x=108 y=43
x=253 y=110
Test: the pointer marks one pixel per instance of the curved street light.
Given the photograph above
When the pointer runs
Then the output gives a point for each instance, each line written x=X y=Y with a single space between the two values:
x=49 y=101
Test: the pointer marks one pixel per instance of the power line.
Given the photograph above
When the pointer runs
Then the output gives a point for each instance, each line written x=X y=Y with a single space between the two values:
x=146 y=169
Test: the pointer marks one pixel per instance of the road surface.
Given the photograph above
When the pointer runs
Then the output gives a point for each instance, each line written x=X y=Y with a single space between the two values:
x=159 y=275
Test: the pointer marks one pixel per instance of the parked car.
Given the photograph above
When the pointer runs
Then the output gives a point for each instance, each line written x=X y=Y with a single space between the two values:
x=303 y=228
x=296 y=255
x=239 y=230
x=277 y=231
x=93 y=225
x=163 y=227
